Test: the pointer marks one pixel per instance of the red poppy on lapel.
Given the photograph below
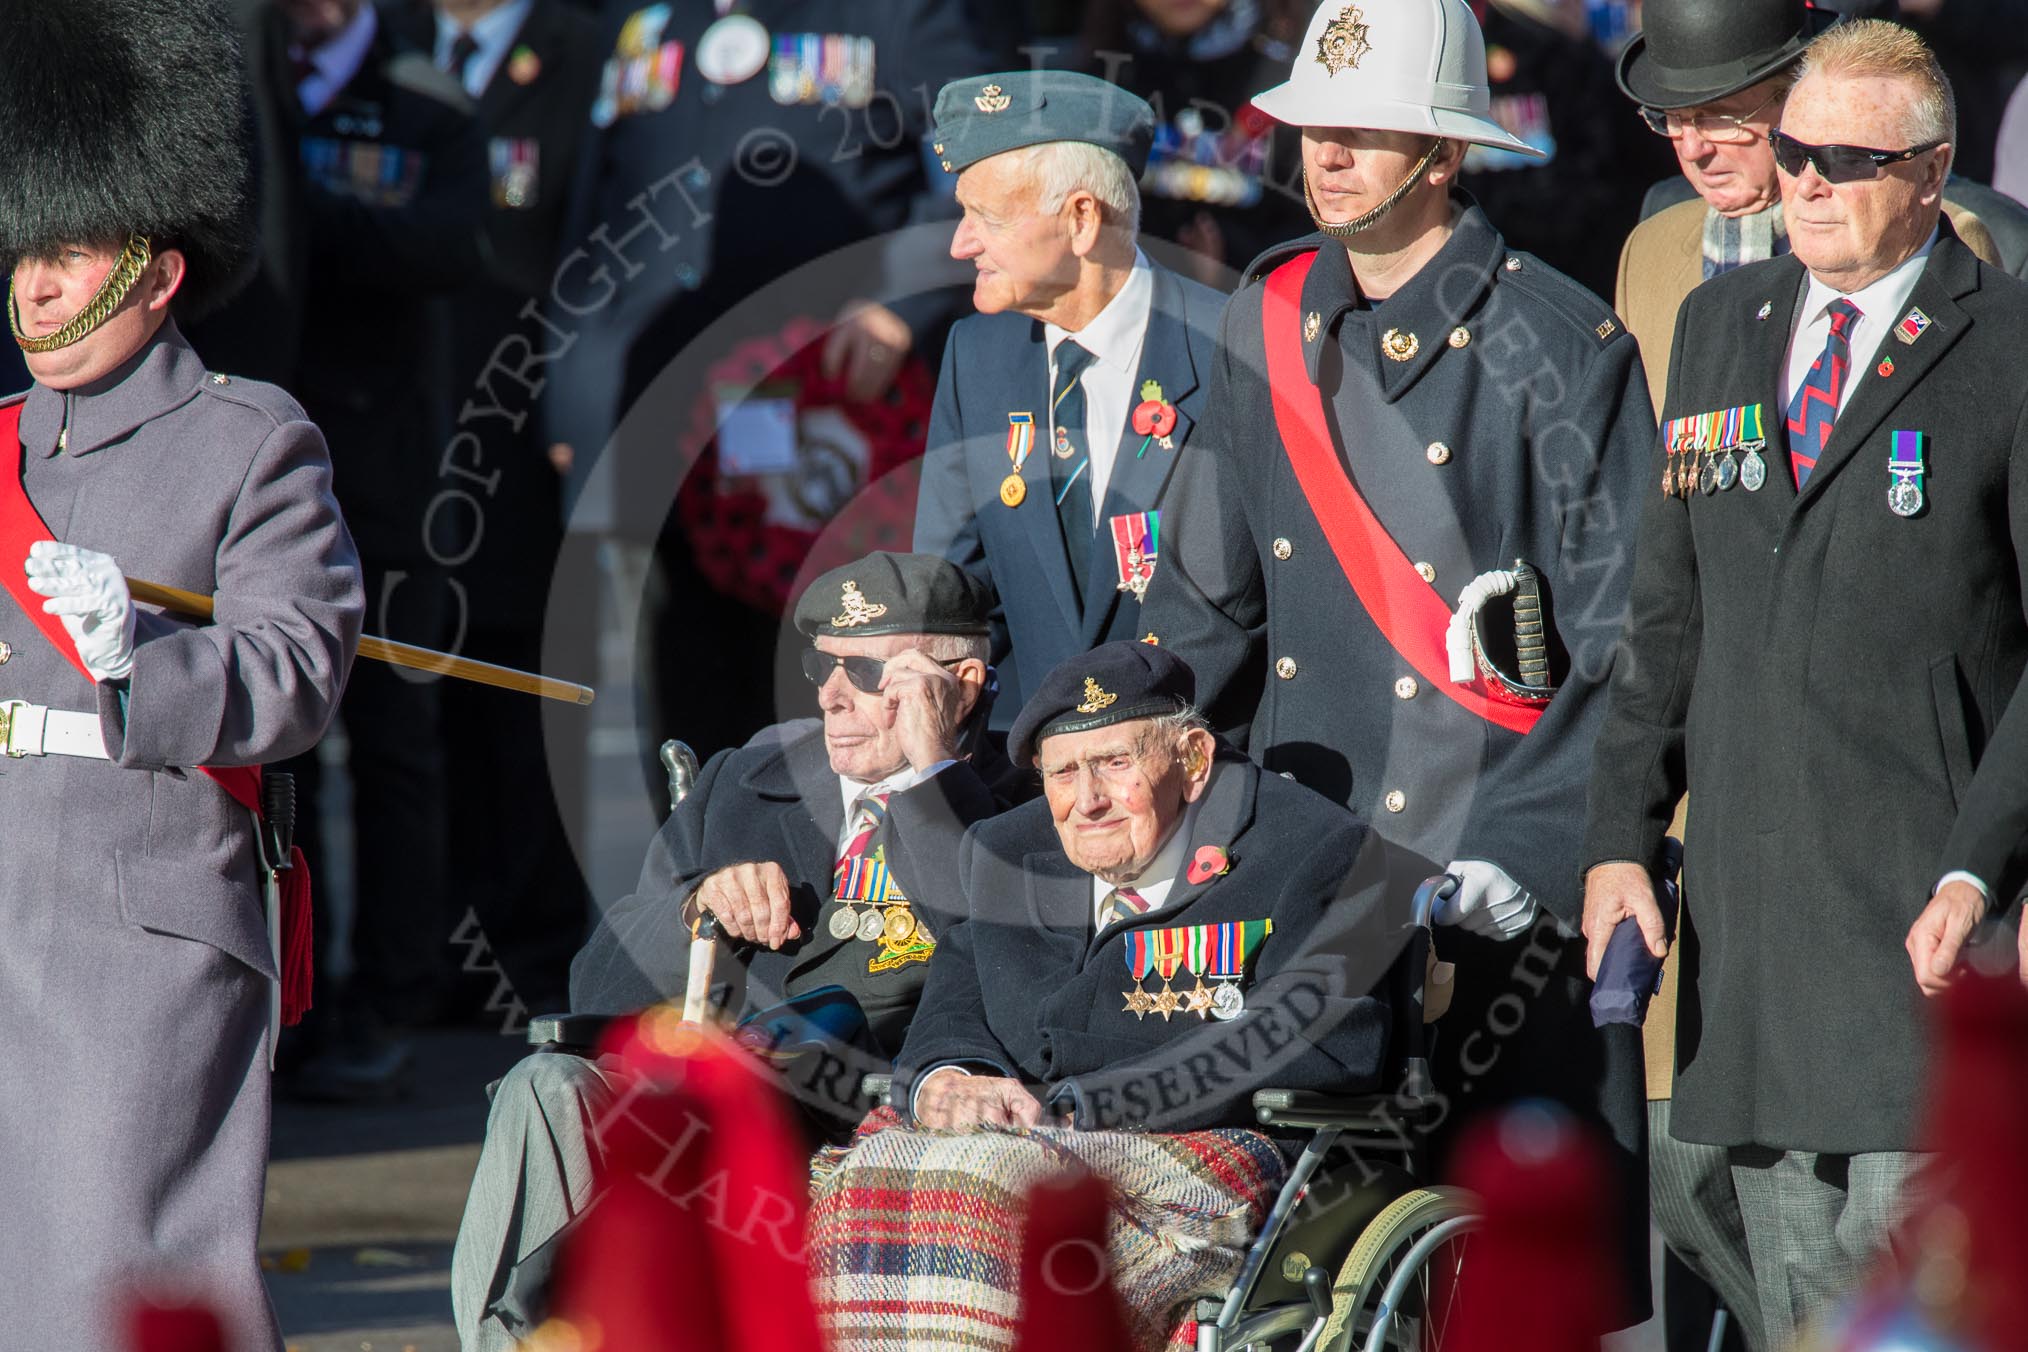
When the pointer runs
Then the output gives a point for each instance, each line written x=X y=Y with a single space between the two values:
x=1209 y=862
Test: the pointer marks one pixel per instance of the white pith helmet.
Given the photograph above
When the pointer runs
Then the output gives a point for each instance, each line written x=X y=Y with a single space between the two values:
x=1392 y=65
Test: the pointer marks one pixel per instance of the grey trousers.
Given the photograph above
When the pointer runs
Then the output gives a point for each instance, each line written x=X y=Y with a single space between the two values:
x=534 y=1177
x=1691 y=1195
x=1815 y=1223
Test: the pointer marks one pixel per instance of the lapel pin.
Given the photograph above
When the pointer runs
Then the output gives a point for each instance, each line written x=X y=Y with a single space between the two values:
x=1886 y=367
x=524 y=67
x=1154 y=418
x=1912 y=325
x=1766 y=309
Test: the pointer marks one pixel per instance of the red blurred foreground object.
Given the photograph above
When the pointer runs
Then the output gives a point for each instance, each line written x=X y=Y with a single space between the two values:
x=1978 y=1120
x=1961 y=1279
x=1541 y=1274
x=697 y=1241
x=1067 y=1299
x=173 y=1328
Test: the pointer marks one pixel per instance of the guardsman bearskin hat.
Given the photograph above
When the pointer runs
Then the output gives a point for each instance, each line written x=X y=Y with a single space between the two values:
x=126 y=121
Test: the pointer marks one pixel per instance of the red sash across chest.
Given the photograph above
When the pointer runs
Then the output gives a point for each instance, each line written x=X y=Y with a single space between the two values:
x=1407 y=610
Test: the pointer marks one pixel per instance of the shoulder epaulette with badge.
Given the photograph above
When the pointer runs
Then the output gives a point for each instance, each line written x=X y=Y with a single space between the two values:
x=1565 y=296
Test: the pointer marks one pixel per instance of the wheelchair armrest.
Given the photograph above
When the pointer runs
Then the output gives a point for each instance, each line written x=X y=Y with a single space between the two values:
x=1373 y=1116
x=570 y=1032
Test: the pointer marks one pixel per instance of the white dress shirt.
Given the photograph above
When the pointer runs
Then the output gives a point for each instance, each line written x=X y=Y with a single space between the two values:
x=494 y=31
x=1881 y=307
x=337 y=61
x=1155 y=881
x=1114 y=338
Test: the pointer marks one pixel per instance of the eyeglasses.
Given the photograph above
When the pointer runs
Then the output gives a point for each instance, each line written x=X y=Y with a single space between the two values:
x=1718 y=128
x=1838 y=164
x=864 y=672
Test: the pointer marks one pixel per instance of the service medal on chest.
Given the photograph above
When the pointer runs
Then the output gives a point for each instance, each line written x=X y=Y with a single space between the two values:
x=1753 y=471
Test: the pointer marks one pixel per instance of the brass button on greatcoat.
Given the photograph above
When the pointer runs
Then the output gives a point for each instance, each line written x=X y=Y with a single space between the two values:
x=1282 y=547
x=1426 y=572
x=1438 y=453
x=6 y=652
x=1460 y=336
x=1396 y=800
x=1285 y=667
x=1406 y=688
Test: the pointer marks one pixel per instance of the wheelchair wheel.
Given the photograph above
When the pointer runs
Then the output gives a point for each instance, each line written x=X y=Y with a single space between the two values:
x=1394 y=1292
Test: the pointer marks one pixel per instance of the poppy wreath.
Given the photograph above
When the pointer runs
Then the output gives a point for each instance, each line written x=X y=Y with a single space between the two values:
x=756 y=537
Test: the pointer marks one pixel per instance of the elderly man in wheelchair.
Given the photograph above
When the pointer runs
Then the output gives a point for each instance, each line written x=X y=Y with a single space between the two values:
x=1170 y=950
x=824 y=851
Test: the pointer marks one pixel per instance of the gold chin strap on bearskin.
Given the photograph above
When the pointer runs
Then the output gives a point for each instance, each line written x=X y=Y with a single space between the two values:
x=1347 y=229
x=112 y=293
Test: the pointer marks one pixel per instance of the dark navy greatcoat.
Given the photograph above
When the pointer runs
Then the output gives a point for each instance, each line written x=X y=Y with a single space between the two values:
x=1826 y=679
x=1519 y=428
x=1023 y=987
x=995 y=365
x=777 y=798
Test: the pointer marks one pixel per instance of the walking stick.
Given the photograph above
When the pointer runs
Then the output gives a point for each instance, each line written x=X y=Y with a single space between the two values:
x=681 y=763
x=198 y=607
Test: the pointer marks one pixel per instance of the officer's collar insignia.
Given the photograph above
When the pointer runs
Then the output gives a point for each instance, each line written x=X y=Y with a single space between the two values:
x=858 y=610
x=1095 y=699
x=1400 y=346
x=1343 y=41
x=1312 y=326
x=991 y=100
x=1766 y=309
x=1605 y=330
x=1912 y=325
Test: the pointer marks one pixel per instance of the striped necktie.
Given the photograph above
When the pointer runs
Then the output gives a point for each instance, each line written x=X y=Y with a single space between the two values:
x=871 y=812
x=1814 y=406
x=1124 y=904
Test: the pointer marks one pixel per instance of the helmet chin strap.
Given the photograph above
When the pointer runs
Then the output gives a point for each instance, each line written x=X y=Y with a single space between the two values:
x=1347 y=229
x=112 y=293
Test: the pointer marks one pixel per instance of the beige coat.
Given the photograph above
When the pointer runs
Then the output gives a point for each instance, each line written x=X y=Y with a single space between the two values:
x=1663 y=260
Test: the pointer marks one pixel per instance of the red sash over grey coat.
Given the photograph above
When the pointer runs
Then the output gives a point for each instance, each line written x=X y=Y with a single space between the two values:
x=134 y=959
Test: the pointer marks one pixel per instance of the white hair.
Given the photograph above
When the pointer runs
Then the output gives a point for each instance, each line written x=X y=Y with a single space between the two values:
x=1060 y=168
x=958 y=647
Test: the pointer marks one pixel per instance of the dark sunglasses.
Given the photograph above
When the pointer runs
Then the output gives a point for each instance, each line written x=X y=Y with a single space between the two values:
x=863 y=672
x=1838 y=164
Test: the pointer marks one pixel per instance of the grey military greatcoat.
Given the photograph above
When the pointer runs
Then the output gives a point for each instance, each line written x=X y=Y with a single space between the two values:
x=135 y=971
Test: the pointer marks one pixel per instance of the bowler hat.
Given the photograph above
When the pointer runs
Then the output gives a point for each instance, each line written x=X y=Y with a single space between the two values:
x=1695 y=51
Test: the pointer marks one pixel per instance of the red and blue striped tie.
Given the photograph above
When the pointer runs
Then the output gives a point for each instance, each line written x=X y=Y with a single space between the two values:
x=1814 y=406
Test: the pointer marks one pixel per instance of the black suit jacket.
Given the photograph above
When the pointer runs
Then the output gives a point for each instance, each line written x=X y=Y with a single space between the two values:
x=1023 y=987
x=777 y=799
x=1826 y=678
x=530 y=119
x=370 y=212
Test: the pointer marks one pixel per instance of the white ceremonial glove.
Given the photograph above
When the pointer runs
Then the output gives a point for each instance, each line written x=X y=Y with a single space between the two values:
x=87 y=591
x=1487 y=901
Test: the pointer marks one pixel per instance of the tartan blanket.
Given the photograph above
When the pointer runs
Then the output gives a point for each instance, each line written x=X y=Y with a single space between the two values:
x=915 y=1235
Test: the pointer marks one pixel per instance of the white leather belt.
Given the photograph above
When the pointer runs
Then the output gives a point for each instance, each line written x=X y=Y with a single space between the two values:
x=33 y=730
